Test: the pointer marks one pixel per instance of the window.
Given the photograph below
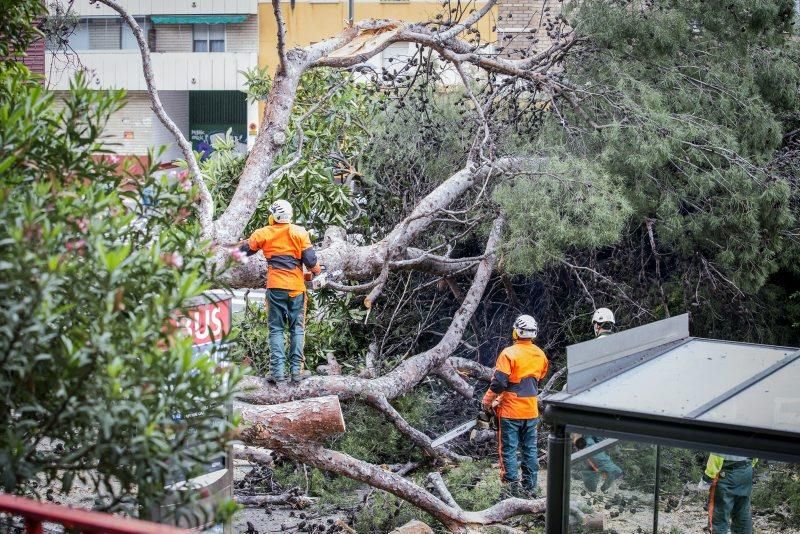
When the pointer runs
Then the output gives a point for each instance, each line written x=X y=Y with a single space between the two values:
x=209 y=38
x=105 y=34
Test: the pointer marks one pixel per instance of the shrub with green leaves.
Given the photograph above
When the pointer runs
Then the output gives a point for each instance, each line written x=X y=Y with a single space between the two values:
x=95 y=384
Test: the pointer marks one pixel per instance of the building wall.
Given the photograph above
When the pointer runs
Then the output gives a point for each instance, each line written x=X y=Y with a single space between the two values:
x=516 y=20
x=242 y=37
x=176 y=104
x=314 y=20
x=178 y=37
x=173 y=37
x=135 y=117
x=85 y=8
x=34 y=57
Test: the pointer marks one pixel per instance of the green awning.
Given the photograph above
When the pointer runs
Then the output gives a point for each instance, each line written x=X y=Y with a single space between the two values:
x=198 y=19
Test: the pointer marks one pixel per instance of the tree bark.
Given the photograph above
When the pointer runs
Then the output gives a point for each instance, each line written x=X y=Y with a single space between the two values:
x=312 y=420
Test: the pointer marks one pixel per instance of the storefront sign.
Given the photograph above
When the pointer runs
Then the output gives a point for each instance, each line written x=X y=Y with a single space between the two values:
x=207 y=323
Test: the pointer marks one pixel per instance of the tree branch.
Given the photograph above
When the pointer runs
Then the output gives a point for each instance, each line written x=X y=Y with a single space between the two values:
x=402 y=378
x=417 y=438
x=276 y=9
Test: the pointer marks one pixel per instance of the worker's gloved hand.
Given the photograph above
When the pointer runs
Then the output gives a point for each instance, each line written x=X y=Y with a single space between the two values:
x=699 y=487
x=487 y=408
x=238 y=256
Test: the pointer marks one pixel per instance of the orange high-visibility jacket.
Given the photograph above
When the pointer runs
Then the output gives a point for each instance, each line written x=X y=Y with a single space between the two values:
x=287 y=247
x=516 y=379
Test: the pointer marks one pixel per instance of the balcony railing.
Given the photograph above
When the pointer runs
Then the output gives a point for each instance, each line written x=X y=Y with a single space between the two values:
x=174 y=71
x=36 y=513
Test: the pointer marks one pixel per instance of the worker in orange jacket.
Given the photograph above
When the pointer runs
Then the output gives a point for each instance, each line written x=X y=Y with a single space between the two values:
x=287 y=248
x=512 y=395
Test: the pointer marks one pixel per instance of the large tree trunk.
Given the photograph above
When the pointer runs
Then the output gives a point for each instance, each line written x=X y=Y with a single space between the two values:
x=310 y=420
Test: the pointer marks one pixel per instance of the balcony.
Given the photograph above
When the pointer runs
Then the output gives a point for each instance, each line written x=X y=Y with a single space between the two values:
x=174 y=71
x=84 y=8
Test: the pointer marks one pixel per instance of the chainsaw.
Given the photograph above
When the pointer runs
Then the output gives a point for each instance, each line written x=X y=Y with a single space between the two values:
x=484 y=421
x=321 y=280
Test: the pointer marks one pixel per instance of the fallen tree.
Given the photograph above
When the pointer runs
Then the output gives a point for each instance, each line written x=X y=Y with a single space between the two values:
x=367 y=267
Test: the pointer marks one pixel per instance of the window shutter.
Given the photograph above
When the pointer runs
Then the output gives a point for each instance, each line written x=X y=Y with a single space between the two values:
x=105 y=34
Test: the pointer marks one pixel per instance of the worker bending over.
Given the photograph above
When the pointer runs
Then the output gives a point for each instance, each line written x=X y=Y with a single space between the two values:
x=512 y=396
x=729 y=480
x=598 y=466
x=287 y=248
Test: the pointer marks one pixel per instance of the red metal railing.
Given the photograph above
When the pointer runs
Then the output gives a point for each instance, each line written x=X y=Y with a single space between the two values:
x=35 y=513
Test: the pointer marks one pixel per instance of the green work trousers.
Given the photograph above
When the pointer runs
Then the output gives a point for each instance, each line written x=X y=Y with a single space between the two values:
x=285 y=310
x=599 y=466
x=729 y=499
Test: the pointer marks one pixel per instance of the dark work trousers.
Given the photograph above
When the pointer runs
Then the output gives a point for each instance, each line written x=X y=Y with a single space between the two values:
x=729 y=499
x=519 y=434
x=285 y=310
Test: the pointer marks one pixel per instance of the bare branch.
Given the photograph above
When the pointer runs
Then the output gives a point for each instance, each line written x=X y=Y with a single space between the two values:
x=455 y=519
x=276 y=9
x=437 y=482
x=469 y=22
x=449 y=374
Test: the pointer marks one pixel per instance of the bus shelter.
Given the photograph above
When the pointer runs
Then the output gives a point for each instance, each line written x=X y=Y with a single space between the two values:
x=654 y=403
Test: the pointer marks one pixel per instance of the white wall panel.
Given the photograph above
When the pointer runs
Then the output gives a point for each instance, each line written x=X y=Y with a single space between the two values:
x=173 y=71
x=168 y=7
x=176 y=104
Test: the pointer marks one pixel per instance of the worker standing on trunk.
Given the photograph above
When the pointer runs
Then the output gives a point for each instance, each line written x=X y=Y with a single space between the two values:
x=729 y=480
x=512 y=397
x=287 y=248
x=599 y=466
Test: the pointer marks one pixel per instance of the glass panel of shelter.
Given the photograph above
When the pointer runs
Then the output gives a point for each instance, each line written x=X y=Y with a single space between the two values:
x=614 y=490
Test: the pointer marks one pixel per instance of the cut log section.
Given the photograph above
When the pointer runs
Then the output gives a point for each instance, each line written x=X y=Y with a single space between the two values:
x=307 y=420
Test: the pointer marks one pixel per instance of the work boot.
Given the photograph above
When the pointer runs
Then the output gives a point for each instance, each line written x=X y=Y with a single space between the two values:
x=276 y=380
x=299 y=377
x=511 y=489
x=531 y=493
x=609 y=483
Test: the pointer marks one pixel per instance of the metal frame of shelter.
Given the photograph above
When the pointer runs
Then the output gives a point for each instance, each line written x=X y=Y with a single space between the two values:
x=602 y=396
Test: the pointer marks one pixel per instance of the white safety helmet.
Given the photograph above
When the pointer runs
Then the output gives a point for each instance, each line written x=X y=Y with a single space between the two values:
x=602 y=316
x=281 y=211
x=526 y=327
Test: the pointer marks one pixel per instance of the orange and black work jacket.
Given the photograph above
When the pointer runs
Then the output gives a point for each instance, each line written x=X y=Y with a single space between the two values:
x=516 y=380
x=287 y=247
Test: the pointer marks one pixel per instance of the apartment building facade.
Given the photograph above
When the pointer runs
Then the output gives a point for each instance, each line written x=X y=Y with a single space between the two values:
x=198 y=50
x=311 y=21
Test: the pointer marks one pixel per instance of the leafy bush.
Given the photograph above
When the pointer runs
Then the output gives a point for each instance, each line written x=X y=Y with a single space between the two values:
x=95 y=384
x=335 y=328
